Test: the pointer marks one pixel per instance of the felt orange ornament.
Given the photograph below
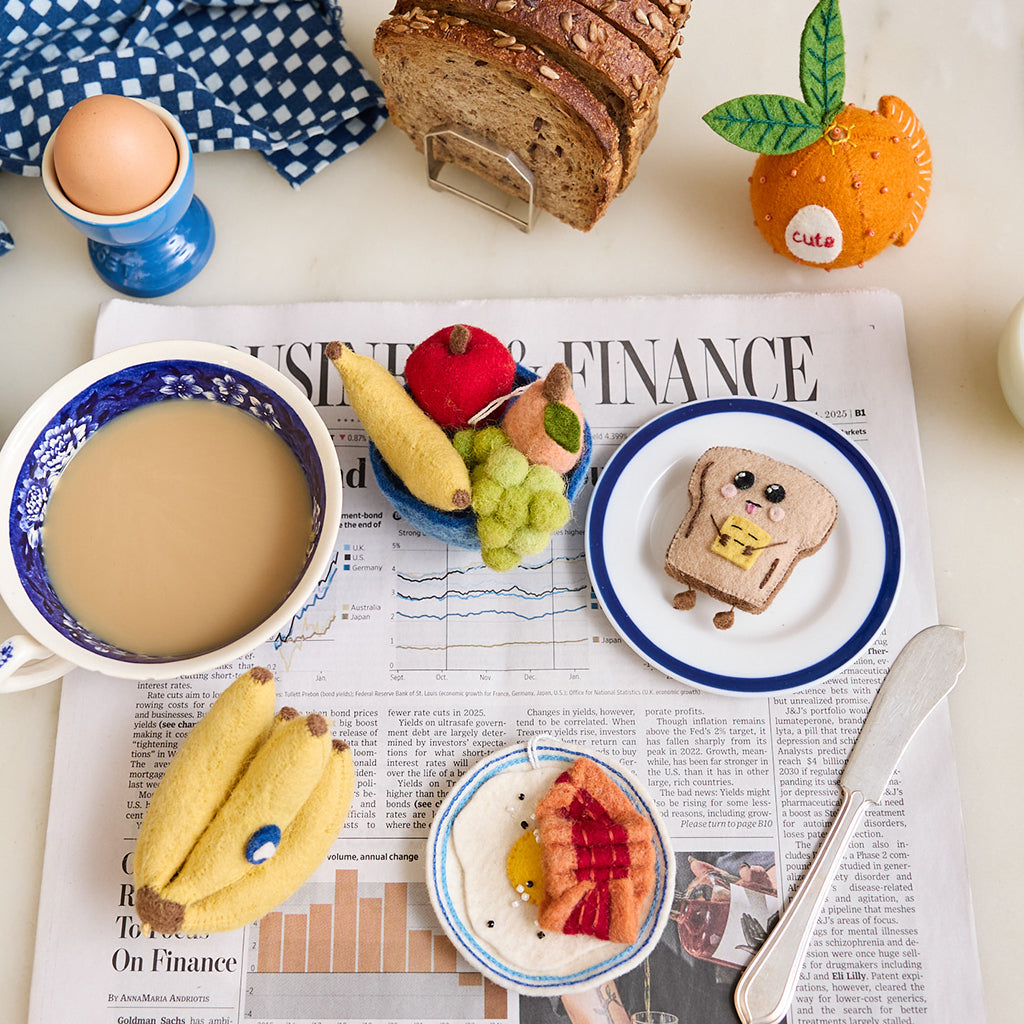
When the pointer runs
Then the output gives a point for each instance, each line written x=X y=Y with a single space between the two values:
x=834 y=184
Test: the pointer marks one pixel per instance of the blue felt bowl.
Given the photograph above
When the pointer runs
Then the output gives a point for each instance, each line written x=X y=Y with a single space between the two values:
x=459 y=528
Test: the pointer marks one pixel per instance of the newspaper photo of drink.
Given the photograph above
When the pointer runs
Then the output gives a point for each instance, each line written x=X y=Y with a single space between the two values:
x=725 y=904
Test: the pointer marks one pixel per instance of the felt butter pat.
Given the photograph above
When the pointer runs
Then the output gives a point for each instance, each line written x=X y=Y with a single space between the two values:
x=741 y=541
x=247 y=809
x=751 y=519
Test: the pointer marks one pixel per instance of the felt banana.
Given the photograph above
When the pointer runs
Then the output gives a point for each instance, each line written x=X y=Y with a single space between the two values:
x=415 y=448
x=264 y=831
x=196 y=784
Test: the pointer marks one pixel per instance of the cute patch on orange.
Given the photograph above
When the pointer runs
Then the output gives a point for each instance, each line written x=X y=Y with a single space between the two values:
x=834 y=184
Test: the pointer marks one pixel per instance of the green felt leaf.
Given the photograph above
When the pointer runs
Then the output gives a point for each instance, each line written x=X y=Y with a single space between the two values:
x=823 y=61
x=562 y=425
x=766 y=123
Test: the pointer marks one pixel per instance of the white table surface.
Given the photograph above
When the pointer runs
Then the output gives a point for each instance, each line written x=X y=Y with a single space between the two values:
x=369 y=228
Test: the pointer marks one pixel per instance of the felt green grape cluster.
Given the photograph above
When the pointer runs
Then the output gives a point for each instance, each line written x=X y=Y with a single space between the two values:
x=518 y=505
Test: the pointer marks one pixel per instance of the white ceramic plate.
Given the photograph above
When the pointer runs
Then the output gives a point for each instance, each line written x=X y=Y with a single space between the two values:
x=444 y=876
x=829 y=610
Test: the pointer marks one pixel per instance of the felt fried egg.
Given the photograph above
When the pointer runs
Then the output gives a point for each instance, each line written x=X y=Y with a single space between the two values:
x=498 y=858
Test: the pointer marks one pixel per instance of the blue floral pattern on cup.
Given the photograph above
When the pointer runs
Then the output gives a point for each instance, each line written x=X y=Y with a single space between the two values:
x=82 y=416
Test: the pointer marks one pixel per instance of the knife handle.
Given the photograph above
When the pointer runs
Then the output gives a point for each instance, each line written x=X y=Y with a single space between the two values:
x=766 y=987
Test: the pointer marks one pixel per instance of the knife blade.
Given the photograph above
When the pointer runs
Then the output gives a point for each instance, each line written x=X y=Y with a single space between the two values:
x=923 y=673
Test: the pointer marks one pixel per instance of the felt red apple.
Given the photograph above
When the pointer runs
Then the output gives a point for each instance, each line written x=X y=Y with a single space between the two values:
x=457 y=371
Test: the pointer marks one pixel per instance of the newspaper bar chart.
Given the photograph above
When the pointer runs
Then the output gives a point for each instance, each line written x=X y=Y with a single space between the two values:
x=373 y=951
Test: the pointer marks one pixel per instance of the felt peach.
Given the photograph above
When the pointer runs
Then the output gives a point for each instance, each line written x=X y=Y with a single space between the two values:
x=545 y=422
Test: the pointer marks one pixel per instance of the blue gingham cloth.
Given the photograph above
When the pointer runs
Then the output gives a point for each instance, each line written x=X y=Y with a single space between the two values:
x=238 y=74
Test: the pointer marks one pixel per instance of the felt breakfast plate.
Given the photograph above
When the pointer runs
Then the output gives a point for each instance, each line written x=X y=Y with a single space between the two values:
x=825 y=615
x=541 y=760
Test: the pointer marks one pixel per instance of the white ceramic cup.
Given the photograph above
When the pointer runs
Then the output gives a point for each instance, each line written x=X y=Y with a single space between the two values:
x=1010 y=362
x=46 y=438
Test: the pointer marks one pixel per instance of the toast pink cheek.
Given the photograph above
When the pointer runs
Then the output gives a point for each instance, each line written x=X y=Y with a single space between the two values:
x=776 y=514
x=729 y=491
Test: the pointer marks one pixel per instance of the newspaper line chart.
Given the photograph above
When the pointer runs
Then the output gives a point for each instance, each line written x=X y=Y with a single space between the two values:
x=463 y=616
x=440 y=609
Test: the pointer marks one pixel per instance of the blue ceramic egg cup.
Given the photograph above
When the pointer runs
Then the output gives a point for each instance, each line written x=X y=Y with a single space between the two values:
x=152 y=251
x=459 y=528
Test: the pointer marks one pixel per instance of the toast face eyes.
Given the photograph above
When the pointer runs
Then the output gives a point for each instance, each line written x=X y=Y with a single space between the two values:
x=773 y=493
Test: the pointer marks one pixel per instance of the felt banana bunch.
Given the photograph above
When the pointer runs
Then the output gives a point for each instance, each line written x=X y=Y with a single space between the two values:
x=411 y=443
x=246 y=810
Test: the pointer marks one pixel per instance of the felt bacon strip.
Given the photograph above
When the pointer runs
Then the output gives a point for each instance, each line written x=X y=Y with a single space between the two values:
x=598 y=856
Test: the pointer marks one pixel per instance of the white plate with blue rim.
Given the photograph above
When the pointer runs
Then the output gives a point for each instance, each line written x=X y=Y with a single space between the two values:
x=449 y=884
x=830 y=609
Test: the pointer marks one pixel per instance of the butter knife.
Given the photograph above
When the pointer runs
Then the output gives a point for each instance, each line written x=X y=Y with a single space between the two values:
x=920 y=677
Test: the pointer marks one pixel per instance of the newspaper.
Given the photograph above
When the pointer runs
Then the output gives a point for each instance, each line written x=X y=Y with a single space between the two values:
x=425 y=662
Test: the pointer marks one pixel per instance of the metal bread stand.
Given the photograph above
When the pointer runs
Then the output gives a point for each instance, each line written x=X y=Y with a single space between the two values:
x=435 y=165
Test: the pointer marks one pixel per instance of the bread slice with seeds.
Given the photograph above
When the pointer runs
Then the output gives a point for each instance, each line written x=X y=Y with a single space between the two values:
x=647 y=23
x=612 y=53
x=615 y=69
x=440 y=70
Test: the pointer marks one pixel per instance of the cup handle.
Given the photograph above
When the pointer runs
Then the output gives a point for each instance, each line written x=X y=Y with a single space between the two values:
x=20 y=651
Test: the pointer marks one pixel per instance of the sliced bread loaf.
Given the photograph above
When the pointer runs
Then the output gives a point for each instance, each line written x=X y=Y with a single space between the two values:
x=585 y=56
x=612 y=65
x=440 y=70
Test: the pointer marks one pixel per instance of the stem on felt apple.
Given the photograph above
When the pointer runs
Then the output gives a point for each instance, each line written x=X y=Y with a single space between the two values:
x=458 y=340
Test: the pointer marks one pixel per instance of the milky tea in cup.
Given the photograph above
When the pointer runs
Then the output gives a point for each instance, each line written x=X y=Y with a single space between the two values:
x=167 y=515
x=177 y=528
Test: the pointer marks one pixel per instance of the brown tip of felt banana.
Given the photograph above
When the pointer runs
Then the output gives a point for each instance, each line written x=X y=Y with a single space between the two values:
x=286 y=714
x=317 y=725
x=279 y=780
x=304 y=845
x=340 y=355
x=202 y=774
x=158 y=914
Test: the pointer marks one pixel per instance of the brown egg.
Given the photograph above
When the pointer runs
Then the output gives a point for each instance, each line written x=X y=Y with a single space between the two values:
x=112 y=155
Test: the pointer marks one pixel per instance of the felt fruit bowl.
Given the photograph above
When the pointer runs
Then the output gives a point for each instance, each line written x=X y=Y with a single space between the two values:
x=459 y=528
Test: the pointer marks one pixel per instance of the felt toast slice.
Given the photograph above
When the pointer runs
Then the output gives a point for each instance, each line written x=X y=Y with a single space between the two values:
x=751 y=519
